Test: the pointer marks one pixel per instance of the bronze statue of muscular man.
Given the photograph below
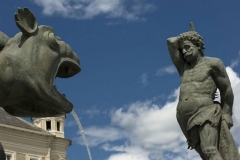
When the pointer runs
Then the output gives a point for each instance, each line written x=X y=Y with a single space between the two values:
x=204 y=123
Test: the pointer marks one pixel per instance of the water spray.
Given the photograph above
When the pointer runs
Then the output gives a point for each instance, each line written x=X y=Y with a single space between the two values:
x=82 y=132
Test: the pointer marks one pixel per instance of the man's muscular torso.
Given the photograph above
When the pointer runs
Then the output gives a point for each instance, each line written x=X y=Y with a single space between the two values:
x=197 y=88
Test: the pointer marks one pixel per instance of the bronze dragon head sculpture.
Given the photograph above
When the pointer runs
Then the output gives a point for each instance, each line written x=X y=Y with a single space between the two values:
x=29 y=64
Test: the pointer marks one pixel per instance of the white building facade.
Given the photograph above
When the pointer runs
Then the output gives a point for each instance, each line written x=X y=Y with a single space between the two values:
x=43 y=140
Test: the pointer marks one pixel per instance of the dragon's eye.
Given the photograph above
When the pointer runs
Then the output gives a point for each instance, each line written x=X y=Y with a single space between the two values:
x=51 y=40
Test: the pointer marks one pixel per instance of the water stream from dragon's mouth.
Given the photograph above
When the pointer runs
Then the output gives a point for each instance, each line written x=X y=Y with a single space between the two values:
x=82 y=132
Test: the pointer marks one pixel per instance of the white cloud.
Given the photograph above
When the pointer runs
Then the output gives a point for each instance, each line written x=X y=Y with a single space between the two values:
x=235 y=62
x=125 y=156
x=152 y=129
x=235 y=82
x=233 y=76
x=128 y=152
x=166 y=70
x=54 y=6
x=144 y=79
x=93 y=111
x=150 y=116
x=131 y=10
x=98 y=135
x=150 y=132
x=175 y=94
x=70 y=123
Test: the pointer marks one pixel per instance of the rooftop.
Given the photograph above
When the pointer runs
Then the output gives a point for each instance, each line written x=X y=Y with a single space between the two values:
x=10 y=120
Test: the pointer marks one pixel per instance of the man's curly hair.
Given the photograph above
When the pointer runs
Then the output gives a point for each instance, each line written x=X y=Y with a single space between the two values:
x=193 y=37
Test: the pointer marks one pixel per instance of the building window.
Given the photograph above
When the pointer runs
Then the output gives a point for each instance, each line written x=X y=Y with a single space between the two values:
x=58 y=126
x=48 y=125
x=9 y=157
x=34 y=158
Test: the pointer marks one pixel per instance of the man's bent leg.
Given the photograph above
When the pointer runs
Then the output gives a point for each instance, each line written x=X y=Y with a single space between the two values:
x=209 y=141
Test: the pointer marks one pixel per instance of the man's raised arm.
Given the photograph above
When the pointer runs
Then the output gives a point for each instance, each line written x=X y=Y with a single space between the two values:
x=176 y=54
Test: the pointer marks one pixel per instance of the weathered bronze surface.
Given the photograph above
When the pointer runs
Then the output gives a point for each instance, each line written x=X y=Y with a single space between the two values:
x=204 y=123
x=29 y=64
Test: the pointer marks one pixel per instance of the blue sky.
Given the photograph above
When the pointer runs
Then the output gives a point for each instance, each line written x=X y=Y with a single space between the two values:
x=126 y=93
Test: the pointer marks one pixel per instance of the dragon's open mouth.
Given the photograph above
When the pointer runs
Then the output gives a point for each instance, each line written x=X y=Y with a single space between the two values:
x=50 y=102
x=67 y=68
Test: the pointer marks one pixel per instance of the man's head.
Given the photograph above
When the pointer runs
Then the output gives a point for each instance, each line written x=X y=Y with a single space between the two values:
x=193 y=37
x=190 y=51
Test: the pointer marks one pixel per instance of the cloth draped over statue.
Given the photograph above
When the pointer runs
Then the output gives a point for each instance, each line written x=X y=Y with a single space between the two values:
x=212 y=114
